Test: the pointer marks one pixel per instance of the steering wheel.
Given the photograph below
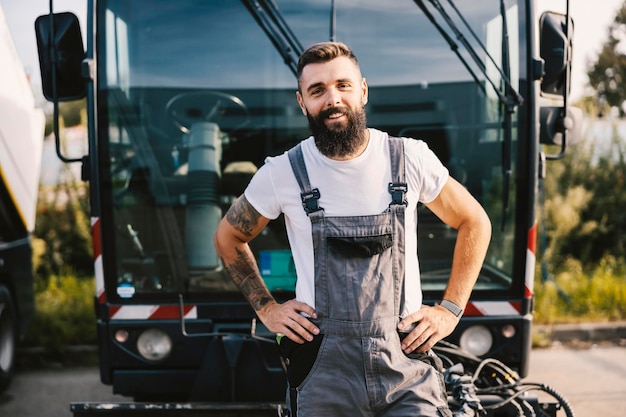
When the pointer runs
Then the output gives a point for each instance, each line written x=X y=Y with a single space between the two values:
x=223 y=109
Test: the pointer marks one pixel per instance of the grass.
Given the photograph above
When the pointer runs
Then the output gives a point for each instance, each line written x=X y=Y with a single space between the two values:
x=574 y=296
x=64 y=313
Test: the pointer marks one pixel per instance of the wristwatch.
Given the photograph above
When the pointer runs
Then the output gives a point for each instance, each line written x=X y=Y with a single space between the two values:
x=451 y=307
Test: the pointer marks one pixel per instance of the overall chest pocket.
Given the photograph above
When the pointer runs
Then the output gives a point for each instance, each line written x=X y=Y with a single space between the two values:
x=360 y=246
x=355 y=269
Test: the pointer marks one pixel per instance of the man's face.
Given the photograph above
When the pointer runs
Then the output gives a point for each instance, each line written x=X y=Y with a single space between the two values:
x=333 y=96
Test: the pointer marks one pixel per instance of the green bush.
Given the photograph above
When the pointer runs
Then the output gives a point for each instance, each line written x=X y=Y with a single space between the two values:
x=63 y=264
x=64 y=313
x=581 y=273
x=585 y=208
x=574 y=296
x=64 y=230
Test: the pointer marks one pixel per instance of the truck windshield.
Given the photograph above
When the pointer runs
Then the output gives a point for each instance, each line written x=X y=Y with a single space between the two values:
x=193 y=95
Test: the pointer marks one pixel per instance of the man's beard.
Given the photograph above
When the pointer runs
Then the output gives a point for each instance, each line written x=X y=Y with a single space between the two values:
x=339 y=141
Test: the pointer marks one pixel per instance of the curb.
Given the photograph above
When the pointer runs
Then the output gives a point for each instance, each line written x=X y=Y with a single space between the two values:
x=55 y=358
x=583 y=332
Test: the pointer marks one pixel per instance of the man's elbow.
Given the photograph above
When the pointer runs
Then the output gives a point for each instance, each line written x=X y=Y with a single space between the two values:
x=477 y=222
x=484 y=221
x=481 y=225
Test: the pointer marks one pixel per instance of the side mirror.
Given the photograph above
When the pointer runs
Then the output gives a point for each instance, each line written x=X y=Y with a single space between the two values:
x=61 y=53
x=555 y=49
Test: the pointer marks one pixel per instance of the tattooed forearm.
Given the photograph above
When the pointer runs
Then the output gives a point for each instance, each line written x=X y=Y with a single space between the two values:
x=246 y=276
x=241 y=224
x=242 y=216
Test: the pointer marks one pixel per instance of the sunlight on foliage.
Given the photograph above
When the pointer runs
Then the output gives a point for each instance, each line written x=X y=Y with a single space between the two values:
x=574 y=296
x=581 y=273
x=64 y=313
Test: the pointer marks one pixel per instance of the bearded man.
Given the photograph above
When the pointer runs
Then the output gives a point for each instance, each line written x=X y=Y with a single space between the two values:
x=356 y=337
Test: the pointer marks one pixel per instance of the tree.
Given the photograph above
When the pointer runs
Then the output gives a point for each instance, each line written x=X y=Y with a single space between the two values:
x=608 y=75
x=585 y=204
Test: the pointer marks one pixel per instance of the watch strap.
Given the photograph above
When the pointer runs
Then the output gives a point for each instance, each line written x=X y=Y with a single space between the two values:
x=451 y=307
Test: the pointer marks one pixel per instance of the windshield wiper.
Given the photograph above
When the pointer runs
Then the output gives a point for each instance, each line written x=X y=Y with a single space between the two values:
x=271 y=20
x=333 y=21
x=508 y=97
x=508 y=118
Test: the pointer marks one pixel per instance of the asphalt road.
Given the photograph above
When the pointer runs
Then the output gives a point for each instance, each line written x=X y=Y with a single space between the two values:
x=591 y=378
x=48 y=392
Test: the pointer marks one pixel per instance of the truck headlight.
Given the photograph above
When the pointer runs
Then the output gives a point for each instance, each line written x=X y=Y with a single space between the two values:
x=476 y=340
x=154 y=344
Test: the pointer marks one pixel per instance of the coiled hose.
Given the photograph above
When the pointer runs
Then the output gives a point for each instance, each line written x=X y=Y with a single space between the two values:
x=502 y=382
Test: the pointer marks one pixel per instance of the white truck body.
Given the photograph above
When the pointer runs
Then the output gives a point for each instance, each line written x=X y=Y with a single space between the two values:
x=21 y=130
x=21 y=142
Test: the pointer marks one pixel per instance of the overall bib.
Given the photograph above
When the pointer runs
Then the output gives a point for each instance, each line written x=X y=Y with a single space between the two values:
x=355 y=367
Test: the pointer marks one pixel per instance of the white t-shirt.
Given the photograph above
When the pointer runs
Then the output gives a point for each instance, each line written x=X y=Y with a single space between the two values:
x=355 y=187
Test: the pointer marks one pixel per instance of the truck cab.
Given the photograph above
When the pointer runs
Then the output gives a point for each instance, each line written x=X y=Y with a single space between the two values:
x=185 y=101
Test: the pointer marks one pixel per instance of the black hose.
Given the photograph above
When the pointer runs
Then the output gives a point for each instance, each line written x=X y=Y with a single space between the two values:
x=526 y=387
x=548 y=389
x=510 y=388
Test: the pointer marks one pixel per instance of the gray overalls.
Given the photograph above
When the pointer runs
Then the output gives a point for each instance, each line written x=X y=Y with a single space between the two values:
x=357 y=367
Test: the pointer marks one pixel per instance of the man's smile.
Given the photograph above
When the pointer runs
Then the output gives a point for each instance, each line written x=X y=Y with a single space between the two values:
x=334 y=115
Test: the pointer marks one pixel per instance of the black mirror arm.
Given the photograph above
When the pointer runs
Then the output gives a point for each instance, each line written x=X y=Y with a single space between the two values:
x=561 y=154
x=55 y=98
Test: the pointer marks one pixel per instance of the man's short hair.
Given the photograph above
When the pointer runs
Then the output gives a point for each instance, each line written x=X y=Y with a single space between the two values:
x=324 y=52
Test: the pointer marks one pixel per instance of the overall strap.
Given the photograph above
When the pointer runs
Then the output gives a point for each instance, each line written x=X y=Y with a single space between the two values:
x=310 y=197
x=398 y=187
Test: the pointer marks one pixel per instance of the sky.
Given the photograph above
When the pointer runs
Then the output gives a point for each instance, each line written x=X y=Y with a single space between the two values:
x=591 y=20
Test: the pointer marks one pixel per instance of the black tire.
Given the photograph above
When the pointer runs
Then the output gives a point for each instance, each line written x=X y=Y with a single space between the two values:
x=8 y=337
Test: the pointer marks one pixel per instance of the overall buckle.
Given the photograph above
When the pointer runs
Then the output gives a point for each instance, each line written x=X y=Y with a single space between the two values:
x=310 y=201
x=397 y=191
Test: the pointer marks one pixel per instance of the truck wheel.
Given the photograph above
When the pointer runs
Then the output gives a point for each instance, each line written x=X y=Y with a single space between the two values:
x=8 y=337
